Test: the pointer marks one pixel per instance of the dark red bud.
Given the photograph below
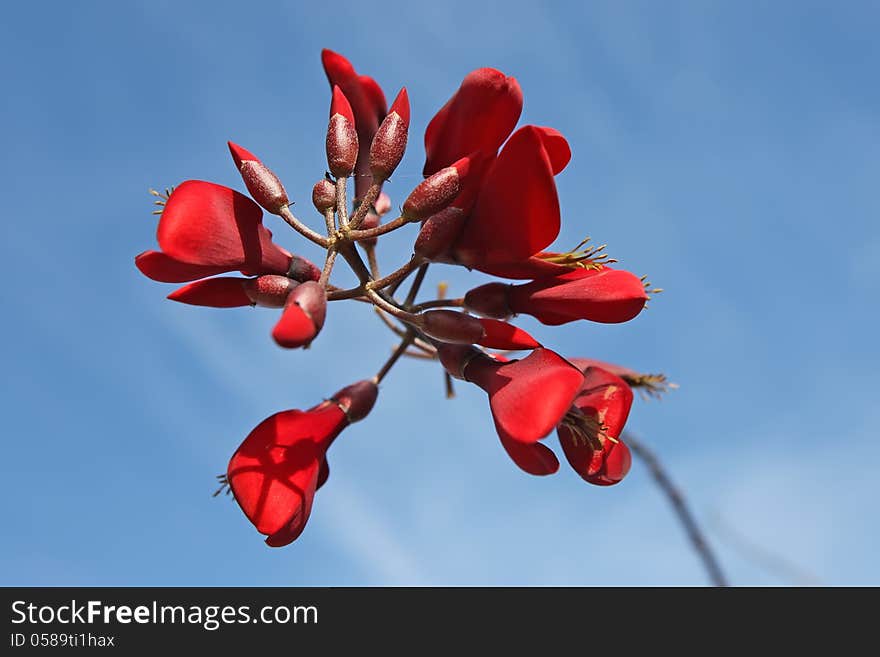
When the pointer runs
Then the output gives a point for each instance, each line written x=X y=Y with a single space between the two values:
x=220 y=292
x=324 y=195
x=439 y=233
x=270 y=291
x=302 y=269
x=455 y=358
x=452 y=326
x=342 y=139
x=436 y=192
x=312 y=298
x=489 y=300
x=389 y=143
x=357 y=399
x=264 y=186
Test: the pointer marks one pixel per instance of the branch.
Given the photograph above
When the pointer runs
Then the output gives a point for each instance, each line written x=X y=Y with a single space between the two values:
x=679 y=505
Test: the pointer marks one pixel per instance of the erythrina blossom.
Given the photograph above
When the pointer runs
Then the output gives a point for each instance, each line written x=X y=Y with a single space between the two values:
x=605 y=295
x=208 y=229
x=527 y=397
x=489 y=203
x=590 y=433
x=277 y=469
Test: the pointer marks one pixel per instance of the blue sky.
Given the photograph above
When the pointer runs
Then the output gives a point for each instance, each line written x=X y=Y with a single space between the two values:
x=729 y=150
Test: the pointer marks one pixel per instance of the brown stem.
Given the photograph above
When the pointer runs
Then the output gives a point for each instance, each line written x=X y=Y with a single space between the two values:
x=341 y=202
x=364 y=205
x=679 y=505
x=399 y=275
x=301 y=228
x=417 y=284
x=439 y=303
x=328 y=267
x=372 y=261
x=391 y=309
x=401 y=349
x=369 y=233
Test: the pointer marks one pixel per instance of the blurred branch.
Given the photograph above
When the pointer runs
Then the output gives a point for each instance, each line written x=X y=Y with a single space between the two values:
x=771 y=562
x=679 y=505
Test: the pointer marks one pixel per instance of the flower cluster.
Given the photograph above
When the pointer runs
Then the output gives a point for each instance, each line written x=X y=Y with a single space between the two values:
x=488 y=202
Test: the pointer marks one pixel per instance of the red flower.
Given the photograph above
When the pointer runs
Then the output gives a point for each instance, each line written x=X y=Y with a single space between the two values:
x=511 y=203
x=590 y=433
x=303 y=316
x=277 y=469
x=208 y=229
x=368 y=105
x=605 y=295
x=527 y=397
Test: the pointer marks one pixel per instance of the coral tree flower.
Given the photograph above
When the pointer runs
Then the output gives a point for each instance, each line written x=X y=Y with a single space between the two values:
x=277 y=469
x=527 y=397
x=368 y=104
x=512 y=208
x=600 y=295
x=590 y=433
x=208 y=229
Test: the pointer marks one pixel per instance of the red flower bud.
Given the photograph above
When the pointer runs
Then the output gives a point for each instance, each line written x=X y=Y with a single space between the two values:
x=277 y=469
x=451 y=326
x=382 y=204
x=269 y=291
x=437 y=191
x=439 y=233
x=262 y=183
x=302 y=269
x=303 y=316
x=490 y=300
x=389 y=143
x=606 y=295
x=590 y=434
x=342 y=139
x=501 y=335
x=324 y=195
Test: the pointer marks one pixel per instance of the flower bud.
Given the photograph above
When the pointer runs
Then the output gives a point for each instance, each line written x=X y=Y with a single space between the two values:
x=501 y=335
x=357 y=400
x=436 y=192
x=389 y=142
x=452 y=326
x=456 y=357
x=220 y=292
x=303 y=316
x=302 y=269
x=263 y=185
x=324 y=195
x=489 y=300
x=382 y=204
x=270 y=291
x=342 y=139
x=439 y=233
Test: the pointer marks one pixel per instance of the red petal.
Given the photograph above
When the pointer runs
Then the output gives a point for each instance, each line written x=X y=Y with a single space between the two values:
x=501 y=335
x=165 y=269
x=478 y=117
x=295 y=328
x=224 y=292
x=401 y=106
x=215 y=226
x=533 y=458
x=606 y=396
x=534 y=267
x=517 y=211
x=608 y=295
x=528 y=397
x=240 y=154
x=375 y=96
x=339 y=105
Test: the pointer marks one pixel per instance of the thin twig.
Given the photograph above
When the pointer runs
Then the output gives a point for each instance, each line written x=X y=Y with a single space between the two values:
x=417 y=284
x=301 y=228
x=401 y=349
x=364 y=205
x=439 y=303
x=679 y=505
